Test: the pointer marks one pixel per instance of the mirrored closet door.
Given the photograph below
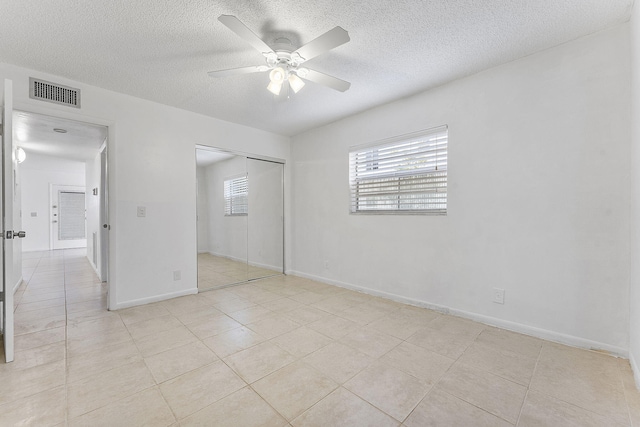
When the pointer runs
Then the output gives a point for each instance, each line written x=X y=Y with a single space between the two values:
x=240 y=218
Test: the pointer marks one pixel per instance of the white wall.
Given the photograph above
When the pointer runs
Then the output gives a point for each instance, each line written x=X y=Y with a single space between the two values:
x=37 y=173
x=538 y=198
x=202 y=210
x=151 y=164
x=634 y=299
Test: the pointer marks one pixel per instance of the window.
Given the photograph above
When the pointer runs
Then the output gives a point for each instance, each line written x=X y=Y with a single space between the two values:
x=235 y=195
x=407 y=174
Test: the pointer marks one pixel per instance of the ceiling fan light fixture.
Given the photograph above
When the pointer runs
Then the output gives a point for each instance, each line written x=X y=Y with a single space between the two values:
x=284 y=61
x=274 y=87
x=277 y=75
x=295 y=82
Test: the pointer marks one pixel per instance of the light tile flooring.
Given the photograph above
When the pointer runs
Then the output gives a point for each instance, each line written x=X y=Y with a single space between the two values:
x=215 y=271
x=286 y=351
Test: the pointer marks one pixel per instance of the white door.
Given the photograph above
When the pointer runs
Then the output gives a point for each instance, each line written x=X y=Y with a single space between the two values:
x=6 y=202
x=68 y=217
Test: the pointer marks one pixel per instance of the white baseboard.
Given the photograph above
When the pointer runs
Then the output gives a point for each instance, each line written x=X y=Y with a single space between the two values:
x=492 y=321
x=253 y=264
x=155 y=298
x=95 y=268
x=274 y=268
x=232 y=258
x=17 y=285
x=635 y=369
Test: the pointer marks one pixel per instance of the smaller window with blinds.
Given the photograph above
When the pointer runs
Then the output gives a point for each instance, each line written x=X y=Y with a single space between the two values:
x=407 y=174
x=236 y=190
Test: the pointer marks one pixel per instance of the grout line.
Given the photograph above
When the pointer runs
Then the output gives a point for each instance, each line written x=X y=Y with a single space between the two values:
x=535 y=369
x=66 y=340
x=626 y=395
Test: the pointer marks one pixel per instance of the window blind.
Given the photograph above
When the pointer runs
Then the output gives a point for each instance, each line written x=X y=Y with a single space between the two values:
x=71 y=220
x=236 y=190
x=407 y=174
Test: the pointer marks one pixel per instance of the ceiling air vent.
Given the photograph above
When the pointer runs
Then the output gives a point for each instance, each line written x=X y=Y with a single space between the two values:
x=52 y=92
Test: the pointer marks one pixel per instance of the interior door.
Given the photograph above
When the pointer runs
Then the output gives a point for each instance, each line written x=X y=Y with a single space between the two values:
x=6 y=203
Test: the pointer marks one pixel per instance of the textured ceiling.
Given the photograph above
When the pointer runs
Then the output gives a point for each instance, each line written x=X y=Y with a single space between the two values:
x=161 y=50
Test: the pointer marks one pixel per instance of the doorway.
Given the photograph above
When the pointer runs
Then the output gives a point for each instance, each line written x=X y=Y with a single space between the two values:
x=63 y=184
x=240 y=217
x=68 y=217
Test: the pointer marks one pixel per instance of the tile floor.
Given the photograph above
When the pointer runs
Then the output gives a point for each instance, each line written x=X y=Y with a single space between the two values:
x=215 y=271
x=286 y=351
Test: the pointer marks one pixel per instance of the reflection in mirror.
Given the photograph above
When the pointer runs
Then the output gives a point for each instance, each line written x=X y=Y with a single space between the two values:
x=239 y=218
x=222 y=221
x=265 y=222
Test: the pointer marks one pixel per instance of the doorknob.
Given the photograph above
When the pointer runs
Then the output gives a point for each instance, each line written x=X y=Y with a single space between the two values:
x=13 y=234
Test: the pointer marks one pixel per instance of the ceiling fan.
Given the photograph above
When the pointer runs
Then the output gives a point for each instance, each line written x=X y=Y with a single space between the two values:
x=284 y=62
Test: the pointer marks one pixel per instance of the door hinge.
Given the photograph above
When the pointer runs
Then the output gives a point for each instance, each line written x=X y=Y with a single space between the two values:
x=1 y=296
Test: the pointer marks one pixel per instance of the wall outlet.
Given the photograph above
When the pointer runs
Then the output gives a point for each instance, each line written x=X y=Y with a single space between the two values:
x=498 y=295
x=177 y=275
x=34 y=214
x=142 y=211
x=326 y=264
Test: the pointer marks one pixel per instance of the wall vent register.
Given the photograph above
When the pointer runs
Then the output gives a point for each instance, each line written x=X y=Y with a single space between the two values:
x=52 y=92
x=406 y=174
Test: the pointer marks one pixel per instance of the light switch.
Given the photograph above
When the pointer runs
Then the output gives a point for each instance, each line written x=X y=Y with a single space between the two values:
x=142 y=211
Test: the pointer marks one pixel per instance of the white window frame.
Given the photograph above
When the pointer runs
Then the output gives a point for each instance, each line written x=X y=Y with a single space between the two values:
x=401 y=175
x=236 y=195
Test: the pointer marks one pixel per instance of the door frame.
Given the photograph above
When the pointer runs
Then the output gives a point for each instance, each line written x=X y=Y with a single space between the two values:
x=7 y=244
x=107 y=180
x=104 y=213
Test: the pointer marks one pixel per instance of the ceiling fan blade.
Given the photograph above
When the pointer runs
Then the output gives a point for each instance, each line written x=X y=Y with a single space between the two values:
x=327 y=80
x=324 y=43
x=236 y=71
x=235 y=25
